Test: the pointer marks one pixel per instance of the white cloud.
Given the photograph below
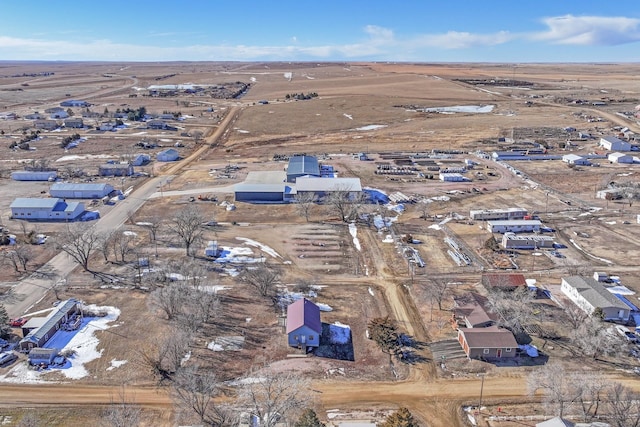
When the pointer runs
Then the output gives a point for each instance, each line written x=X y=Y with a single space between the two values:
x=589 y=30
x=463 y=40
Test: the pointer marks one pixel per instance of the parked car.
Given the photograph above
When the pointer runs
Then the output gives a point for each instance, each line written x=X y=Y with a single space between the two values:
x=18 y=322
x=7 y=358
x=624 y=332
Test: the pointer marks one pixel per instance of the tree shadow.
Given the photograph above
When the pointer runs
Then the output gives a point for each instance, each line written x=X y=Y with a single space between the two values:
x=333 y=346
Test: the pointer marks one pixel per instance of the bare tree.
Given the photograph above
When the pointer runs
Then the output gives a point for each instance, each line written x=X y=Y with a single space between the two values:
x=263 y=278
x=194 y=390
x=423 y=209
x=514 y=308
x=557 y=385
x=590 y=388
x=575 y=315
x=275 y=397
x=153 y=225
x=19 y=256
x=304 y=202
x=120 y=242
x=169 y=299
x=438 y=290
x=79 y=241
x=187 y=226
x=592 y=339
x=121 y=412
x=164 y=357
x=623 y=405
x=345 y=202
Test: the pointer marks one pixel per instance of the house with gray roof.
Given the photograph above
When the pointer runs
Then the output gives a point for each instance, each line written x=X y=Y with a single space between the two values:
x=589 y=294
x=115 y=169
x=38 y=337
x=51 y=209
x=303 y=324
x=302 y=166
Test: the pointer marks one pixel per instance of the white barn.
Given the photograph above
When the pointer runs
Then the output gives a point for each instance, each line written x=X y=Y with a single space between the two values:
x=620 y=158
x=574 y=159
x=80 y=191
x=515 y=226
x=589 y=294
x=45 y=209
x=611 y=143
x=168 y=155
x=34 y=175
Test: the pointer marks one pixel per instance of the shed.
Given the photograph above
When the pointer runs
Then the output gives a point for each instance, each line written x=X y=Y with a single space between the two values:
x=471 y=308
x=302 y=166
x=168 y=155
x=140 y=159
x=42 y=356
x=80 y=191
x=46 y=124
x=487 y=343
x=303 y=324
x=503 y=281
x=452 y=177
x=75 y=122
x=620 y=158
x=34 y=175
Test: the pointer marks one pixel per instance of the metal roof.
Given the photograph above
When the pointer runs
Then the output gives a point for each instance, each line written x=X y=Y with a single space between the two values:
x=594 y=292
x=62 y=310
x=503 y=280
x=62 y=186
x=33 y=203
x=491 y=337
x=303 y=165
x=265 y=177
x=328 y=184
x=259 y=188
x=473 y=307
x=514 y=222
x=303 y=313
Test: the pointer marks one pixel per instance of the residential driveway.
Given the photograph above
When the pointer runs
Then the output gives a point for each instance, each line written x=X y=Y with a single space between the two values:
x=446 y=350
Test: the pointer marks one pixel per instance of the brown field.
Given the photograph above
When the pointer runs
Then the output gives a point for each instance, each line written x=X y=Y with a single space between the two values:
x=360 y=108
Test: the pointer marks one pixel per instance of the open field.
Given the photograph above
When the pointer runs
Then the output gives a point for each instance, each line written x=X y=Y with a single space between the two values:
x=360 y=273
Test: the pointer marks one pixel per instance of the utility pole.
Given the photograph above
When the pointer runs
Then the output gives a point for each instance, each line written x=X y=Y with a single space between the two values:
x=481 y=390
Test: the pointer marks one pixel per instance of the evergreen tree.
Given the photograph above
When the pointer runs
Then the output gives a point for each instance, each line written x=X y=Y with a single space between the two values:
x=309 y=418
x=401 y=418
x=4 y=321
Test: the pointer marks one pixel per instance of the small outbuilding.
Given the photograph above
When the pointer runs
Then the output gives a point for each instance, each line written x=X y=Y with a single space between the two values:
x=42 y=356
x=168 y=155
x=74 y=122
x=303 y=324
x=503 y=281
x=611 y=143
x=452 y=177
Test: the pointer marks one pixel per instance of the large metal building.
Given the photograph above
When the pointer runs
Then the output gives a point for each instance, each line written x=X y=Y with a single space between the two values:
x=80 y=191
x=45 y=209
x=34 y=175
x=321 y=186
x=302 y=166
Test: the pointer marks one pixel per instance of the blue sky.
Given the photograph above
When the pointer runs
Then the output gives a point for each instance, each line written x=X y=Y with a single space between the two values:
x=324 y=30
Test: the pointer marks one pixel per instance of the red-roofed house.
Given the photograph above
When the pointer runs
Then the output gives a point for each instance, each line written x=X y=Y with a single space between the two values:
x=504 y=281
x=487 y=343
x=303 y=324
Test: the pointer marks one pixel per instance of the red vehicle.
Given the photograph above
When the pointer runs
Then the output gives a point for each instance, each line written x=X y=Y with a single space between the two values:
x=18 y=322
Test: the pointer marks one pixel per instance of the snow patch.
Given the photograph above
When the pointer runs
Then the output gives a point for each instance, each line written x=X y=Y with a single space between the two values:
x=339 y=333
x=370 y=127
x=263 y=248
x=460 y=109
x=84 y=157
x=353 y=230
x=348 y=116
x=116 y=364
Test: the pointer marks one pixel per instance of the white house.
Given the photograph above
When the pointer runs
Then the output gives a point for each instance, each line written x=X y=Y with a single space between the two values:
x=589 y=294
x=515 y=226
x=574 y=159
x=611 y=143
x=45 y=209
x=620 y=158
x=168 y=155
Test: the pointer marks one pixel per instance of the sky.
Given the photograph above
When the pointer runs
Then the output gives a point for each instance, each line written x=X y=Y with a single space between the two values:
x=324 y=30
